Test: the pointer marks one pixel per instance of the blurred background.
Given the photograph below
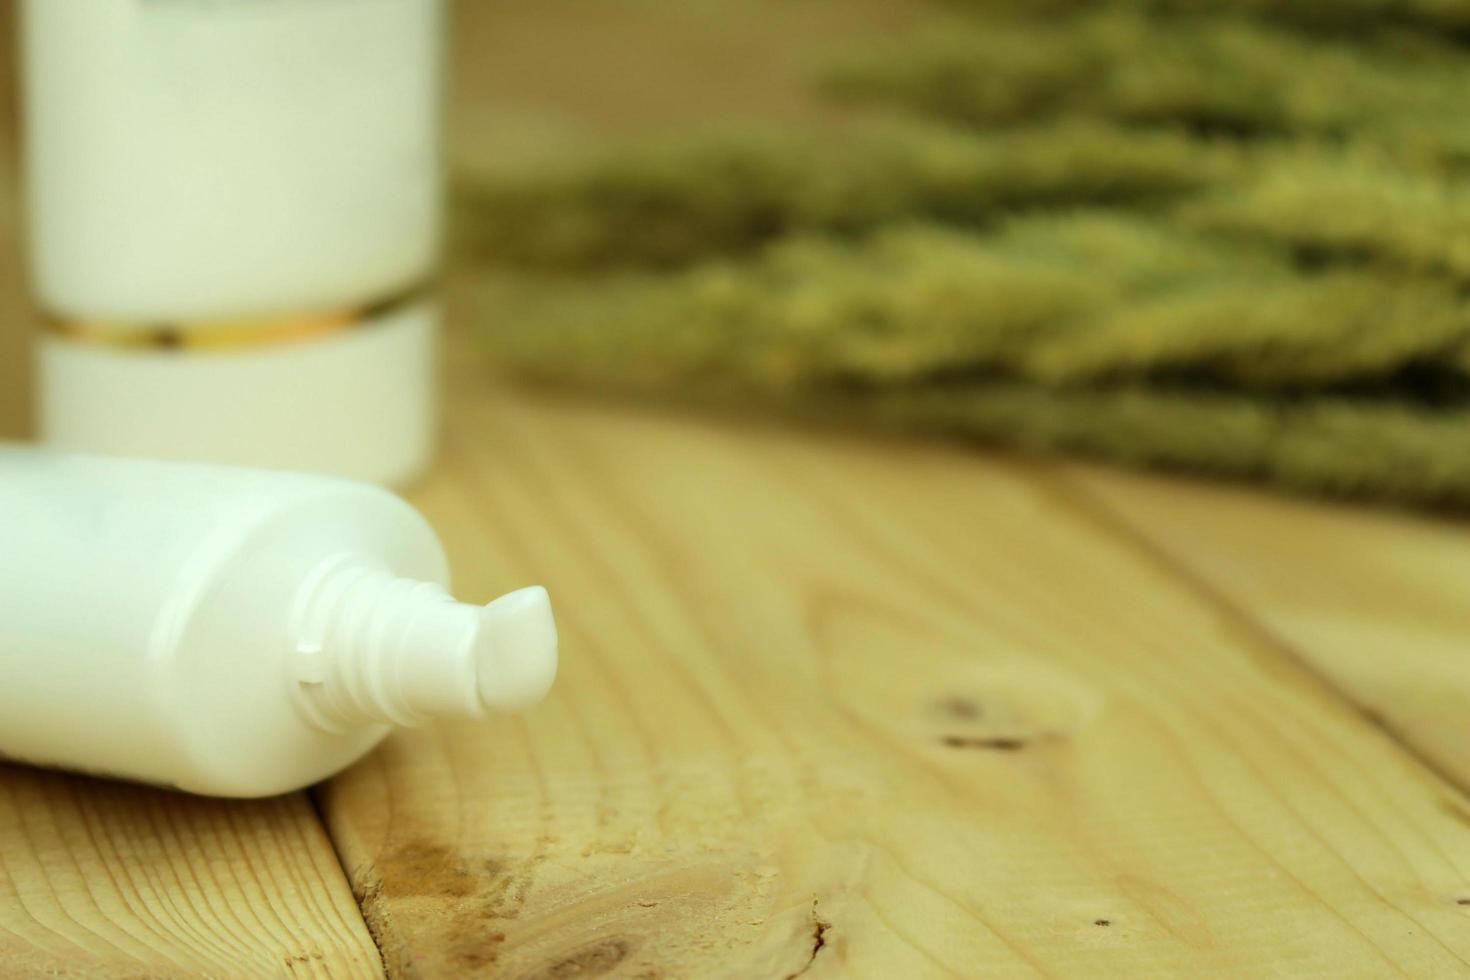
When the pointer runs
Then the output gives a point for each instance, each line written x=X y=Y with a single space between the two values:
x=1226 y=236
x=530 y=81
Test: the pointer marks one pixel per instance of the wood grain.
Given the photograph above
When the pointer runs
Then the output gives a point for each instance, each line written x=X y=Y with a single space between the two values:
x=102 y=879
x=1377 y=602
x=834 y=706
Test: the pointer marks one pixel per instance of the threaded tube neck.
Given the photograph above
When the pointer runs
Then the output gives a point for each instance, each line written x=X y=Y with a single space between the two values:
x=372 y=647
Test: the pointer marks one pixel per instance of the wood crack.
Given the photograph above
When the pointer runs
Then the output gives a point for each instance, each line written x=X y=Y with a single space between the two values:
x=820 y=928
x=367 y=896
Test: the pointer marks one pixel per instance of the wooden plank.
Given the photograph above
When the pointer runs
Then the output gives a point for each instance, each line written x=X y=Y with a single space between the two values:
x=842 y=706
x=1377 y=601
x=105 y=879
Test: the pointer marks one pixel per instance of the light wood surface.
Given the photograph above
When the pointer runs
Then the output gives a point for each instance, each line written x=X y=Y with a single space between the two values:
x=831 y=705
x=101 y=879
x=1377 y=602
x=881 y=710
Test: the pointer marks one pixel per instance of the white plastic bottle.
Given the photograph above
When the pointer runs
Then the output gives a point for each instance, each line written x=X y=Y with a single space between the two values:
x=234 y=632
x=233 y=212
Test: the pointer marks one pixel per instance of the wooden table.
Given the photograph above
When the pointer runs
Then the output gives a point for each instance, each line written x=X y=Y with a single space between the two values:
x=835 y=705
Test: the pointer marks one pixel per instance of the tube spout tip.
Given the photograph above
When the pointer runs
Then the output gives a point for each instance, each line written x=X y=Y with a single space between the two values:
x=515 y=650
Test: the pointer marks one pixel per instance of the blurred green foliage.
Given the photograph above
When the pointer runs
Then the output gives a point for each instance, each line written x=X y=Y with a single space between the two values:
x=1229 y=235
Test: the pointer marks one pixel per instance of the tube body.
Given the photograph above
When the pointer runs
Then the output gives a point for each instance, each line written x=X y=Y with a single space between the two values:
x=179 y=624
x=233 y=211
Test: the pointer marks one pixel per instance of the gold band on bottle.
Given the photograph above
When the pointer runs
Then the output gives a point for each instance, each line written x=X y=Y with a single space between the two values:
x=234 y=333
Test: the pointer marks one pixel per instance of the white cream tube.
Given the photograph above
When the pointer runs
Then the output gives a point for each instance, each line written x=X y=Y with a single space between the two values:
x=233 y=213
x=234 y=632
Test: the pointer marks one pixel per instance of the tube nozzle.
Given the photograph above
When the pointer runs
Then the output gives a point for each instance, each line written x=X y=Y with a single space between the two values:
x=515 y=650
x=373 y=647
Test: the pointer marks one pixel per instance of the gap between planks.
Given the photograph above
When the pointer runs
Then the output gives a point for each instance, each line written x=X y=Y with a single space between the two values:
x=1102 y=509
